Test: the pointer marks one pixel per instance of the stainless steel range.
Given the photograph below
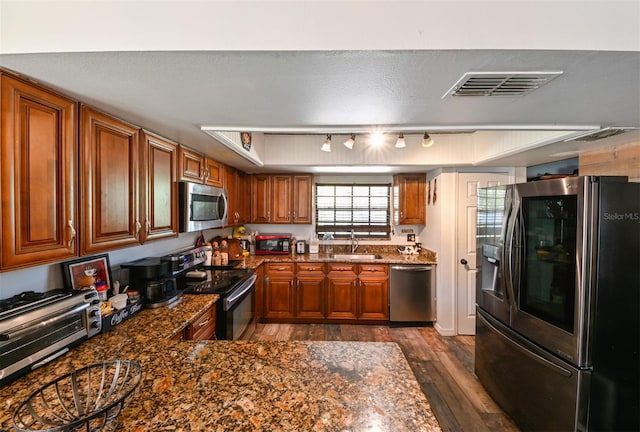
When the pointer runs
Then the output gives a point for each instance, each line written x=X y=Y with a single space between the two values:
x=235 y=313
x=36 y=328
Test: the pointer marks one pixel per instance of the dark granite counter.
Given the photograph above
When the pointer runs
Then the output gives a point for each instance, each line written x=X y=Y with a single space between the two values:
x=387 y=257
x=245 y=386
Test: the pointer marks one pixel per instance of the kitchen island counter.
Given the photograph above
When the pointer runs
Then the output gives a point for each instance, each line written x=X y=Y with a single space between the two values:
x=253 y=386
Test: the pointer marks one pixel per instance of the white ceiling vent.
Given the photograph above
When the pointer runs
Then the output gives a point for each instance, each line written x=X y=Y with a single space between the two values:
x=500 y=83
x=598 y=134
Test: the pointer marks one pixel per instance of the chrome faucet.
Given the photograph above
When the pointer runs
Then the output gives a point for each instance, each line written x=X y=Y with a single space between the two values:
x=354 y=242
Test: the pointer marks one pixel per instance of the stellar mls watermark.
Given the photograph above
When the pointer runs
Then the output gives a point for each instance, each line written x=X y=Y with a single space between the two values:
x=621 y=216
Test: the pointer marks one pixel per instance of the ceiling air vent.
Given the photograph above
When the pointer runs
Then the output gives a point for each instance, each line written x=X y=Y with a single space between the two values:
x=598 y=134
x=500 y=83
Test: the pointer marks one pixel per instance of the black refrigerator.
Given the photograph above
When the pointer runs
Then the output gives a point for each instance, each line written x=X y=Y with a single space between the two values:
x=557 y=291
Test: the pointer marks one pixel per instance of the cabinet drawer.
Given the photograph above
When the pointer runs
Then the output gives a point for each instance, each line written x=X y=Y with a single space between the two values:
x=338 y=269
x=283 y=269
x=379 y=270
x=310 y=268
x=204 y=327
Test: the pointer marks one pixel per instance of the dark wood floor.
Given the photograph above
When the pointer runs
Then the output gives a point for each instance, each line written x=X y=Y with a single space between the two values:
x=442 y=365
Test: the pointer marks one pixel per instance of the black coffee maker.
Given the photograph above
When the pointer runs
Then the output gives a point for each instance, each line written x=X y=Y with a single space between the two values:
x=153 y=279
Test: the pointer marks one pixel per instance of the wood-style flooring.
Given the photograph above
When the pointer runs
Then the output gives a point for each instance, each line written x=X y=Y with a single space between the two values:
x=442 y=365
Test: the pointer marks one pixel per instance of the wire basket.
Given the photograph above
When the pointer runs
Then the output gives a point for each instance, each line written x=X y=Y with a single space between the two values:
x=87 y=399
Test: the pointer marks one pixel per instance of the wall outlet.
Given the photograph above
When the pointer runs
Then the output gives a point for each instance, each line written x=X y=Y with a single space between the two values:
x=411 y=237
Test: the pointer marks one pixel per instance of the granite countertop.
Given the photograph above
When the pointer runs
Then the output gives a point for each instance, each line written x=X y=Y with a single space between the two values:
x=387 y=257
x=248 y=386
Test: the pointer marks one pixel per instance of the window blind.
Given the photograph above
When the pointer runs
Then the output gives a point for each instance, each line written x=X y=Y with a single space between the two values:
x=363 y=208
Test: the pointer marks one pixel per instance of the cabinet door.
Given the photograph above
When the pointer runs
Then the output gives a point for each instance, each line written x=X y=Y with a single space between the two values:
x=190 y=166
x=310 y=295
x=409 y=199
x=158 y=188
x=214 y=172
x=281 y=195
x=261 y=198
x=301 y=199
x=373 y=299
x=243 y=195
x=342 y=298
x=39 y=174
x=373 y=291
x=109 y=155
x=230 y=184
x=278 y=291
x=310 y=290
x=278 y=298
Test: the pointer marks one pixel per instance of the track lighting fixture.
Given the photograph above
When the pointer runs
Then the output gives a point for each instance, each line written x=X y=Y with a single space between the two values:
x=326 y=146
x=400 y=141
x=350 y=142
x=427 y=141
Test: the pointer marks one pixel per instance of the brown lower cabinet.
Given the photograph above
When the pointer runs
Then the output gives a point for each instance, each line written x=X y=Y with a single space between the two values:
x=203 y=327
x=319 y=292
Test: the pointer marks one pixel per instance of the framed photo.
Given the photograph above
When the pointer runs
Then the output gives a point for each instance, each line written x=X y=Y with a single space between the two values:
x=245 y=137
x=96 y=266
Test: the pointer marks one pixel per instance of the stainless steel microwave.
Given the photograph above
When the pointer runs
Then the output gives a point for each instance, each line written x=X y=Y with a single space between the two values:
x=202 y=207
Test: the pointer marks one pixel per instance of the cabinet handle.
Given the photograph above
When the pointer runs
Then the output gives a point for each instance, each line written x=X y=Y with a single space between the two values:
x=148 y=227
x=72 y=231
x=138 y=228
x=204 y=323
x=294 y=215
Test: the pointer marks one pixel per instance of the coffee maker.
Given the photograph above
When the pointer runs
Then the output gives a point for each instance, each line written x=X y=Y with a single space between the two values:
x=153 y=279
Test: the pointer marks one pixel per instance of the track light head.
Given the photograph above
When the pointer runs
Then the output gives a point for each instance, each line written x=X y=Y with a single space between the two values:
x=350 y=142
x=326 y=146
x=427 y=141
x=400 y=143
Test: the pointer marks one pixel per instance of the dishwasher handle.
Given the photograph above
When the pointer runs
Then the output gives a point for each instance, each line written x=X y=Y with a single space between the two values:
x=416 y=268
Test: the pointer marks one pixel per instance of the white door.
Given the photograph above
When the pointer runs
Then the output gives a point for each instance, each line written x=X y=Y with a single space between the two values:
x=468 y=184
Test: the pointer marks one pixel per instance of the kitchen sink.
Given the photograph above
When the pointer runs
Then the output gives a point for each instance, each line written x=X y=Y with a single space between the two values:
x=359 y=257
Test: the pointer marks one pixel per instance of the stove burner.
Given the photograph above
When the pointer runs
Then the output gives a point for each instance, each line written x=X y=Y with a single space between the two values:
x=217 y=281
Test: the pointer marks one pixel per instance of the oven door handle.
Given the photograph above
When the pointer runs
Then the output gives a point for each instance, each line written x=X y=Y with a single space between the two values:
x=239 y=292
x=45 y=322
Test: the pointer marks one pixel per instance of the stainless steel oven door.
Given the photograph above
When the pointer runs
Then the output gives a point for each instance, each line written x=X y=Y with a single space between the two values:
x=238 y=311
x=545 y=254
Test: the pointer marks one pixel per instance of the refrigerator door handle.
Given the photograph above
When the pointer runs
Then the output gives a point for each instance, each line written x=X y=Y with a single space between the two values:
x=508 y=252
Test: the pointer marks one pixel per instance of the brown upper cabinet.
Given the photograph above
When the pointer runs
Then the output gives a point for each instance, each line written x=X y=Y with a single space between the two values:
x=238 y=196
x=158 y=187
x=281 y=199
x=109 y=182
x=197 y=168
x=39 y=172
x=409 y=199
x=214 y=172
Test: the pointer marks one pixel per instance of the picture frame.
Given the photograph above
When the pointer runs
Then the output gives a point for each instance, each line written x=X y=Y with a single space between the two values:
x=96 y=266
x=245 y=138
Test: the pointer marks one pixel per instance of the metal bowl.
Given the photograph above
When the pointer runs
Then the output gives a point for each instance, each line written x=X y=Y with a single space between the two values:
x=87 y=399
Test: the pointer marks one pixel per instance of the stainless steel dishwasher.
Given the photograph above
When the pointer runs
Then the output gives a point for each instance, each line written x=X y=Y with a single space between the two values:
x=412 y=294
